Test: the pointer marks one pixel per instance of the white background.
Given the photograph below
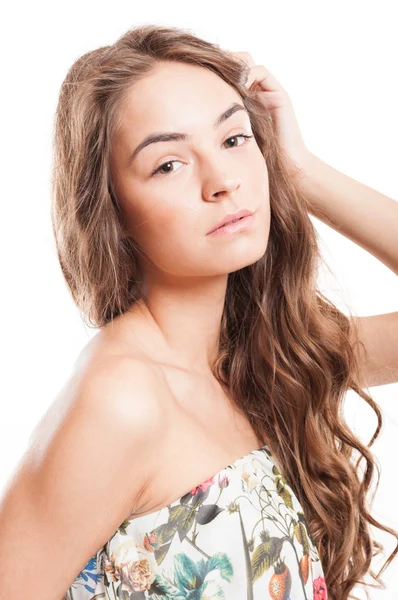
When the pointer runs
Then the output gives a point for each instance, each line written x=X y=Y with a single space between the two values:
x=338 y=61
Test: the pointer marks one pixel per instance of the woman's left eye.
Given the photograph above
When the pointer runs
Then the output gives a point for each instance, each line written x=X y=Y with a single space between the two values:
x=238 y=135
x=169 y=162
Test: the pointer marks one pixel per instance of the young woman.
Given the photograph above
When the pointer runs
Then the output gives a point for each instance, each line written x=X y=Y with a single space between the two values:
x=198 y=449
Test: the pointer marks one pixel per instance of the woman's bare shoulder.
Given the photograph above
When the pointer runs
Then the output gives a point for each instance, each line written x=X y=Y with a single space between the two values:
x=126 y=386
x=101 y=434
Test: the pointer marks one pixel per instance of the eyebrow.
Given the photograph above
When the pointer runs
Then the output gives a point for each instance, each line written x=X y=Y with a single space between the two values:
x=153 y=138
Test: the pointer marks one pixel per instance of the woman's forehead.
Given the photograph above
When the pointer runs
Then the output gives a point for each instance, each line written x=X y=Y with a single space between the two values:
x=177 y=95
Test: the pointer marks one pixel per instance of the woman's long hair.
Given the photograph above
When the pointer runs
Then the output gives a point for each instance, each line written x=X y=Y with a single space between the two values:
x=285 y=351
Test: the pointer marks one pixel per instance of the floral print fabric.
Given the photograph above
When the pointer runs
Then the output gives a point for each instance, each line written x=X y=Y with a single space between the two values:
x=239 y=535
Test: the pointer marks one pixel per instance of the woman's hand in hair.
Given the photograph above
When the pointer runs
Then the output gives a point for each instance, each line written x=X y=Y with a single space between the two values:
x=267 y=89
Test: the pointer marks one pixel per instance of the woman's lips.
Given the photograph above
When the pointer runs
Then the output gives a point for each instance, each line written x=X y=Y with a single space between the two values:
x=234 y=226
x=242 y=212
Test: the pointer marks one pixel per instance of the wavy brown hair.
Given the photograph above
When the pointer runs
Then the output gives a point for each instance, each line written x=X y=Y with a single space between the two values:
x=285 y=351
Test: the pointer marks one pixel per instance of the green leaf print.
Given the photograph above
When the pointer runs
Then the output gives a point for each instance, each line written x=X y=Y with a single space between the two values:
x=220 y=561
x=164 y=586
x=161 y=553
x=265 y=555
x=165 y=532
x=189 y=578
x=185 y=523
x=302 y=520
x=300 y=532
x=187 y=574
x=283 y=492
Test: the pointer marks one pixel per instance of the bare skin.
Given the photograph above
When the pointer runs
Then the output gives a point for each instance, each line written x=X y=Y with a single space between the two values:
x=175 y=327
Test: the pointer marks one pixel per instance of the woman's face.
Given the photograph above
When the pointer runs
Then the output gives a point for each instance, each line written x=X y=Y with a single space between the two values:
x=201 y=178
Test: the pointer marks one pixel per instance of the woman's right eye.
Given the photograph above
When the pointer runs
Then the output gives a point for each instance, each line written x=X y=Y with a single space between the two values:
x=157 y=171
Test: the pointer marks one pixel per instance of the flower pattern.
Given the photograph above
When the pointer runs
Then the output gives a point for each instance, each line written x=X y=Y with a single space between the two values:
x=240 y=534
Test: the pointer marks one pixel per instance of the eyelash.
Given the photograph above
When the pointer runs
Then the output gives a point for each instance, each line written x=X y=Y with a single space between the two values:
x=156 y=171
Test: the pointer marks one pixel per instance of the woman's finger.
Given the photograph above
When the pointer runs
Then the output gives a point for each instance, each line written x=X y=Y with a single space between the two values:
x=259 y=74
x=264 y=79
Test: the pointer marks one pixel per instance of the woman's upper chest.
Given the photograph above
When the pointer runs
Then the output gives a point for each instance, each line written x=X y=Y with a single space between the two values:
x=204 y=434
